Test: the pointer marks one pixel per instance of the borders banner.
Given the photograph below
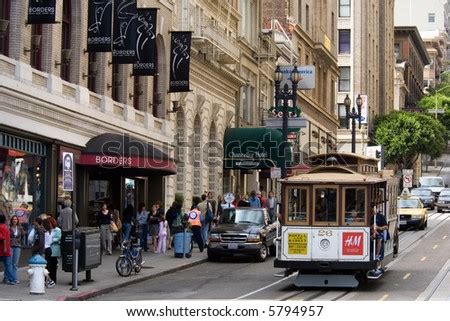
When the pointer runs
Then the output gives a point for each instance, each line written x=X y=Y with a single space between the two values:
x=180 y=58
x=99 y=34
x=124 y=32
x=146 y=42
x=41 y=11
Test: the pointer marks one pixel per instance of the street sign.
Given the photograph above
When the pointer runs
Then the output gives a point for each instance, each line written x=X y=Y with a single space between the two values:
x=294 y=123
x=436 y=111
x=275 y=172
x=407 y=172
x=307 y=74
x=407 y=180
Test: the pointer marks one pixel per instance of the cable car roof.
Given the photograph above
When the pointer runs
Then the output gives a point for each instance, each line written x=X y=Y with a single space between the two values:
x=334 y=174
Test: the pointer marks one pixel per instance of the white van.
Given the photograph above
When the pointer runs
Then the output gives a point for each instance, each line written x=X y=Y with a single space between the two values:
x=435 y=183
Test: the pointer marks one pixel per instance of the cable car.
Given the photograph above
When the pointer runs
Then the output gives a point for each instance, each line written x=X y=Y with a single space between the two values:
x=327 y=222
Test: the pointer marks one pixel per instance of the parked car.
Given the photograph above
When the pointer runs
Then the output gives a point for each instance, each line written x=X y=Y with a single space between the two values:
x=443 y=202
x=411 y=212
x=435 y=183
x=243 y=230
x=425 y=195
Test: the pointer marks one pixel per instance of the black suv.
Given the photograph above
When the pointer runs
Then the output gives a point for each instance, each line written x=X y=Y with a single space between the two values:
x=243 y=230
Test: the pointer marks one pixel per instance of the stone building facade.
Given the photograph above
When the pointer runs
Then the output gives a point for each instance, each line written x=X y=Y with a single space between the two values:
x=366 y=62
x=310 y=27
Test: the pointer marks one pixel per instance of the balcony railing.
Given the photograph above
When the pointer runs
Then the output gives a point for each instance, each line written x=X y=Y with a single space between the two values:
x=213 y=41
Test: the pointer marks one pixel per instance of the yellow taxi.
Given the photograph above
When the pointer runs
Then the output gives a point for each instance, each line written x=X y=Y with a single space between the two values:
x=411 y=212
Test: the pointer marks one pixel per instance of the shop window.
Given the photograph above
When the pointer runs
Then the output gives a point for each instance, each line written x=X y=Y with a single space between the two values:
x=99 y=192
x=325 y=205
x=297 y=206
x=21 y=186
x=5 y=6
x=355 y=205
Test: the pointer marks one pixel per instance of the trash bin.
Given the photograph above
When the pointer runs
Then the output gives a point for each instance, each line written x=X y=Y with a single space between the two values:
x=178 y=240
x=89 y=249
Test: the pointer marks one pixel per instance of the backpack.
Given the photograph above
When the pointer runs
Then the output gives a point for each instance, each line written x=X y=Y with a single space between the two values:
x=209 y=215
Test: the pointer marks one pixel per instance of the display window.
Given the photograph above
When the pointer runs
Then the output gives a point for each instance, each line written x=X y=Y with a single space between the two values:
x=21 y=188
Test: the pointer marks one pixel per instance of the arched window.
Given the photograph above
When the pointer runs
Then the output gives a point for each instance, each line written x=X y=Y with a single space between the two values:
x=5 y=8
x=66 y=39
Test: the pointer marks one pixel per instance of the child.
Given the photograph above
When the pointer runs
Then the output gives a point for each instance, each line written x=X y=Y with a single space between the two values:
x=162 y=235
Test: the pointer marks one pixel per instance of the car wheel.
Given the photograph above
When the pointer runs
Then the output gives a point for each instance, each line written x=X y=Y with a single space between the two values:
x=425 y=224
x=273 y=250
x=432 y=207
x=422 y=226
x=212 y=257
x=396 y=244
x=439 y=210
x=262 y=253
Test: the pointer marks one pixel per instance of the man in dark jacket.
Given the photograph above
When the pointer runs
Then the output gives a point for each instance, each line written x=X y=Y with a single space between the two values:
x=5 y=252
x=39 y=237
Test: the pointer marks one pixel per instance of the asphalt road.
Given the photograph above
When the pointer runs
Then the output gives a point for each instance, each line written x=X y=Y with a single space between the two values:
x=422 y=255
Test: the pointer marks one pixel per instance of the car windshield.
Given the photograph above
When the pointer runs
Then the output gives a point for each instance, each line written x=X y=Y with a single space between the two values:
x=445 y=193
x=242 y=216
x=432 y=181
x=421 y=192
x=408 y=203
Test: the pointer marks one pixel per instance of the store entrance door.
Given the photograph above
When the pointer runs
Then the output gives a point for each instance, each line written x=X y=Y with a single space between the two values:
x=135 y=192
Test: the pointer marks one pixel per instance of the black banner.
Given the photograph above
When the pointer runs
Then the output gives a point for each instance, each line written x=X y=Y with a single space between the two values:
x=41 y=11
x=124 y=33
x=180 y=56
x=146 y=42
x=99 y=25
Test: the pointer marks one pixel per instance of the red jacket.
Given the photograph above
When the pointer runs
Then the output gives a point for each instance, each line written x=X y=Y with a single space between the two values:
x=5 y=246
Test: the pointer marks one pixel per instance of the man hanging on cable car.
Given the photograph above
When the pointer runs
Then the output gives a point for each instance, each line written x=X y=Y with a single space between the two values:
x=379 y=232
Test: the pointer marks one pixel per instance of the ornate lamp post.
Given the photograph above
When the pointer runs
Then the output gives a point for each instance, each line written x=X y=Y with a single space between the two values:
x=285 y=95
x=353 y=115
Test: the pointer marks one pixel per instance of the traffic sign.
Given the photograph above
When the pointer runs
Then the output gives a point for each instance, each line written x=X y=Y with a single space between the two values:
x=436 y=111
x=407 y=181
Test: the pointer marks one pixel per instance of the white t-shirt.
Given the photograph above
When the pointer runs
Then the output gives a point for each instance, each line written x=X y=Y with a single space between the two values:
x=48 y=240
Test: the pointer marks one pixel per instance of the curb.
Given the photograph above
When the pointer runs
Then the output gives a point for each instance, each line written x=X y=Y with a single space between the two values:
x=82 y=296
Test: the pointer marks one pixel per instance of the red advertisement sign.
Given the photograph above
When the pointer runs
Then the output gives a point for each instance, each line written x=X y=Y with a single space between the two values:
x=352 y=243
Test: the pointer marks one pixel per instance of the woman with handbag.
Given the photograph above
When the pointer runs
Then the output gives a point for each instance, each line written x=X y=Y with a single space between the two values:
x=116 y=227
x=17 y=232
x=104 y=221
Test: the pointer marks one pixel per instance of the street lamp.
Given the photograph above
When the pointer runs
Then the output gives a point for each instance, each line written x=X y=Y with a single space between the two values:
x=353 y=115
x=285 y=95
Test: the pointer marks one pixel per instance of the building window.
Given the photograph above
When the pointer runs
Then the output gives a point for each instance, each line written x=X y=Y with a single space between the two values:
x=344 y=8
x=344 y=79
x=307 y=18
x=116 y=83
x=137 y=92
x=397 y=51
x=4 y=15
x=299 y=12
x=344 y=41
x=332 y=28
x=36 y=51
x=342 y=114
x=431 y=17
x=65 y=39
x=92 y=71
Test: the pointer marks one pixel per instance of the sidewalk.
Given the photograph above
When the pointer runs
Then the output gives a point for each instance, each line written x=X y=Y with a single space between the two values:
x=105 y=277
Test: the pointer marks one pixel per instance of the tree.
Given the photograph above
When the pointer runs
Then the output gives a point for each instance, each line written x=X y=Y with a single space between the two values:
x=406 y=135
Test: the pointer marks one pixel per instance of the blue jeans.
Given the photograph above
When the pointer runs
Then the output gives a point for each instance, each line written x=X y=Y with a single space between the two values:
x=144 y=235
x=15 y=256
x=205 y=232
x=7 y=262
x=126 y=229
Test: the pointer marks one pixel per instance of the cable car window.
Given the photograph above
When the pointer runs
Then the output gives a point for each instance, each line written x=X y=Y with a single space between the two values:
x=355 y=205
x=297 y=205
x=325 y=204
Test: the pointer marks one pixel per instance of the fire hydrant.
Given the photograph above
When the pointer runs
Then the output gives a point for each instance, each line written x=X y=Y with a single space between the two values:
x=37 y=273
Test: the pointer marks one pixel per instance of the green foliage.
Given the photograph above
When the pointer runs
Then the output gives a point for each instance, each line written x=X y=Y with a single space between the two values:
x=405 y=135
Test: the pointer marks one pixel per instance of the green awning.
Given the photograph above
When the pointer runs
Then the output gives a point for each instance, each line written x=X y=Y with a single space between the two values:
x=254 y=148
